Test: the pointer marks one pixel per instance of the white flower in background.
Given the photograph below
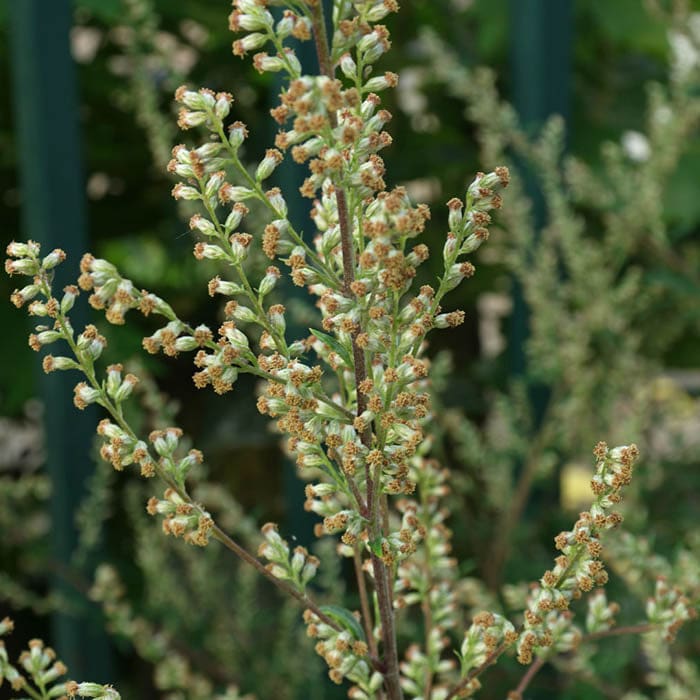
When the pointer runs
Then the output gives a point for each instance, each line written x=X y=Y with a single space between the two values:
x=636 y=146
x=685 y=55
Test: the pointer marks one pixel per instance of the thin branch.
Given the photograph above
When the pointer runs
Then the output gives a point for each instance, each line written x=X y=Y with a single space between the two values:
x=490 y=659
x=381 y=573
x=531 y=672
x=367 y=620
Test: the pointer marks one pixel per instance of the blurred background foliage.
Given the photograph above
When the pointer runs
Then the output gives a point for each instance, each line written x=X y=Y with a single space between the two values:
x=131 y=55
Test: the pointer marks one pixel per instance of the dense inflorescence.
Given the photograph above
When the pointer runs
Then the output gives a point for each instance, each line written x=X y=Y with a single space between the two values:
x=352 y=398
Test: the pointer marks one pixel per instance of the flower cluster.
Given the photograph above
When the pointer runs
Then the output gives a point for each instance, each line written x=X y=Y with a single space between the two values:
x=601 y=614
x=669 y=609
x=38 y=673
x=352 y=398
x=182 y=518
x=487 y=632
x=578 y=569
x=428 y=578
x=298 y=568
x=344 y=650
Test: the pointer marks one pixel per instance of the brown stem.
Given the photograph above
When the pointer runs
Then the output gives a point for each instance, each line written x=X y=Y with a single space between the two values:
x=490 y=659
x=380 y=570
x=614 y=632
x=618 y=631
x=364 y=602
x=531 y=672
x=247 y=557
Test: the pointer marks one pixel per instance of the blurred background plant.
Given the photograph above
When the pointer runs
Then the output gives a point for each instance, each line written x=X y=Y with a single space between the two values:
x=582 y=323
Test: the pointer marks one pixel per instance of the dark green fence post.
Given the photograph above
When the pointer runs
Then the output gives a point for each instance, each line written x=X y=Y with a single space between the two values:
x=46 y=113
x=541 y=38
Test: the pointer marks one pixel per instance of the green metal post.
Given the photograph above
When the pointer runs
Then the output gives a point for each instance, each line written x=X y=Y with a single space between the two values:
x=541 y=35
x=46 y=112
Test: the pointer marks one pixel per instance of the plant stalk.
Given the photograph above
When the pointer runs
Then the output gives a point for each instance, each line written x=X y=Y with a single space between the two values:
x=381 y=572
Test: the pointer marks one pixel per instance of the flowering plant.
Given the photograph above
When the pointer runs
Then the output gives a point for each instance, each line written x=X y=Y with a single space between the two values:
x=353 y=398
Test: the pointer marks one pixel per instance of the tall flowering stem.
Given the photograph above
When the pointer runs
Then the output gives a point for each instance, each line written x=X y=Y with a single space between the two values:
x=383 y=576
x=356 y=431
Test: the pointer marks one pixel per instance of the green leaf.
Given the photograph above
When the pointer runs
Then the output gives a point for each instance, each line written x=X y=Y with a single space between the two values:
x=335 y=345
x=376 y=546
x=344 y=618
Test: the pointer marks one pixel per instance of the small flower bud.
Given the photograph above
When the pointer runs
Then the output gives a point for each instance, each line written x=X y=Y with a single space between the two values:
x=382 y=82
x=204 y=226
x=22 y=266
x=237 y=134
x=15 y=249
x=268 y=282
x=114 y=379
x=276 y=315
x=239 y=247
x=274 y=196
x=234 y=193
x=222 y=106
x=267 y=64
x=250 y=42
x=348 y=66
x=127 y=386
x=450 y=247
x=268 y=164
x=181 y=191
x=54 y=258
x=20 y=296
x=187 y=120
x=219 y=286
x=209 y=251
x=244 y=314
x=84 y=395
x=69 y=296
x=214 y=183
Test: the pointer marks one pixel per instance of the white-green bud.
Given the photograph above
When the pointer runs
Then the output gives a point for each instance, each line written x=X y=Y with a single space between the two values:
x=204 y=226
x=209 y=251
x=52 y=259
x=68 y=300
x=450 y=247
x=186 y=343
x=47 y=337
x=380 y=82
x=16 y=249
x=268 y=282
x=233 y=220
x=186 y=119
x=235 y=193
x=222 y=106
x=214 y=183
x=268 y=64
x=268 y=164
x=294 y=64
x=244 y=314
x=348 y=66
x=23 y=266
x=278 y=202
x=239 y=251
x=237 y=339
x=127 y=386
x=297 y=561
x=237 y=134
x=251 y=42
x=114 y=379
x=277 y=321
x=86 y=394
